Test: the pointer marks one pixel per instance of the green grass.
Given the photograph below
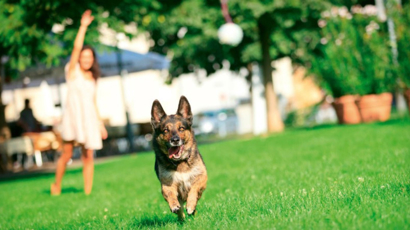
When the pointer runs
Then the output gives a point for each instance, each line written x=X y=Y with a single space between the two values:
x=300 y=179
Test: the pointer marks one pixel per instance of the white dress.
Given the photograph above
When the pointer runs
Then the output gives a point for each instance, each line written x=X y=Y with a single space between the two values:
x=80 y=122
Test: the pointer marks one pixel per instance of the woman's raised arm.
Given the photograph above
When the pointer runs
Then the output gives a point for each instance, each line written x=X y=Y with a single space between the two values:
x=86 y=20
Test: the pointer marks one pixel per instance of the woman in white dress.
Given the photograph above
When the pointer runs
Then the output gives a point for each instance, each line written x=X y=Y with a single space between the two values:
x=81 y=123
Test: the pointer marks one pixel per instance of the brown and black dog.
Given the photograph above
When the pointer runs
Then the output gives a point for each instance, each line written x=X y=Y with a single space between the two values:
x=178 y=163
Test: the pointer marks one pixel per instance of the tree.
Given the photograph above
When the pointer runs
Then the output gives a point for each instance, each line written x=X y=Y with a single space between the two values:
x=187 y=31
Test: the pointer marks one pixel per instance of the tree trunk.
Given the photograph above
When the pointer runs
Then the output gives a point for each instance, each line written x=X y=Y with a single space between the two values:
x=249 y=77
x=275 y=123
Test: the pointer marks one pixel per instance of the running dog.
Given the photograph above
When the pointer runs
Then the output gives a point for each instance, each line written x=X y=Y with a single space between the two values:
x=178 y=164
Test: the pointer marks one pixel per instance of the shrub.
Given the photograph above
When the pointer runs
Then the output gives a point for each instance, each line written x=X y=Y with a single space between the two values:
x=355 y=57
x=402 y=26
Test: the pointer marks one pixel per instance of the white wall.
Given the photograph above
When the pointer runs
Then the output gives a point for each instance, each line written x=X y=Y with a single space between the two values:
x=219 y=90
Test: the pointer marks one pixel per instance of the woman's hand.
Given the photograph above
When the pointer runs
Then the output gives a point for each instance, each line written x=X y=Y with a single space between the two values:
x=104 y=133
x=86 y=19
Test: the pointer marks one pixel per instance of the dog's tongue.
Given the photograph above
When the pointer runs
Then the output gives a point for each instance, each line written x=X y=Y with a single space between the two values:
x=172 y=151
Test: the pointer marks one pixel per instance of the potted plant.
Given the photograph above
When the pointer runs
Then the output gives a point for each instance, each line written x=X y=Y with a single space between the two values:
x=333 y=65
x=357 y=61
x=377 y=70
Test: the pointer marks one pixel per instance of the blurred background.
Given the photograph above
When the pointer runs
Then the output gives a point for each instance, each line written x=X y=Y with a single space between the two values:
x=247 y=68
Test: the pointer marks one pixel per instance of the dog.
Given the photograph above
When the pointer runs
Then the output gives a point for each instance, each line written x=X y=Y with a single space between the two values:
x=178 y=164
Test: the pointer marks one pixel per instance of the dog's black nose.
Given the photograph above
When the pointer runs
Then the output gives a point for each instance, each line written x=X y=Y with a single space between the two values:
x=175 y=139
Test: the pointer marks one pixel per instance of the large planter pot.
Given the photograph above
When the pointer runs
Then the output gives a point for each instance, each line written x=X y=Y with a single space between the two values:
x=346 y=109
x=375 y=107
x=407 y=97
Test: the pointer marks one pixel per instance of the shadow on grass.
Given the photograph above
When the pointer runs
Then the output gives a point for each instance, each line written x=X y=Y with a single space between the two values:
x=156 y=221
x=66 y=190
x=29 y=175
x=321 y=126
x=392 y=121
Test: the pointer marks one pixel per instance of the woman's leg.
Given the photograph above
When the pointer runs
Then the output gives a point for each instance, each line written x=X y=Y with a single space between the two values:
x=61 y=166
x=87 y=157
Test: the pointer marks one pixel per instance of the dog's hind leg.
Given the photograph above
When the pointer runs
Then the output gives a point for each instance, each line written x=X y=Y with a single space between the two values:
x=195 y=194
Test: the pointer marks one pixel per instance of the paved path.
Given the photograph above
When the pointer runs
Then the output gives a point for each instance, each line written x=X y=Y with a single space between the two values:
x=47 y=167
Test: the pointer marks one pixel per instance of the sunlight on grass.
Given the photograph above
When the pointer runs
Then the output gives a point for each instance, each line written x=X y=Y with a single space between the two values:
x=330 y=177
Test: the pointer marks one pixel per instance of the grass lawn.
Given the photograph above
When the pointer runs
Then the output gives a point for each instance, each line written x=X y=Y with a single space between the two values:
x=329 y=177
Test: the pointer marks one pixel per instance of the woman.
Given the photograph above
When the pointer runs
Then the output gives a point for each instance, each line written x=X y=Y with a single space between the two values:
x=81 y=123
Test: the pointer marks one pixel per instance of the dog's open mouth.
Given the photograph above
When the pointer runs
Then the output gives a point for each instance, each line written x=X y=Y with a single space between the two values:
x=175 y=152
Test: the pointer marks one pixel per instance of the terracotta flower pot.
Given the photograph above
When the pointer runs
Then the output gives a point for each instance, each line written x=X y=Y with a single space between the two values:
x=407 y=97
x=346 y=109
x=375 y=107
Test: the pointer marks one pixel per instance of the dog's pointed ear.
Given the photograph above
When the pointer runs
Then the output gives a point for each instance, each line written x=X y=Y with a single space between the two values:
x=184 y=109
x=157 y=113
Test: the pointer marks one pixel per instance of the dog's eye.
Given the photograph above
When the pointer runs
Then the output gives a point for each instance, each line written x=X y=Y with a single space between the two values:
x=166 y=130
x=181 y=129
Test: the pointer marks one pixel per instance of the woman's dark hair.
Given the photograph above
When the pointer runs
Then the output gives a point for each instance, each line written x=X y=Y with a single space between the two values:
x=95 y=68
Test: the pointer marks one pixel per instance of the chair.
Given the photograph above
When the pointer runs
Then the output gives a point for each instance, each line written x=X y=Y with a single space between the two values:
x=32 y=144
x=44 y=141
x=19 y=145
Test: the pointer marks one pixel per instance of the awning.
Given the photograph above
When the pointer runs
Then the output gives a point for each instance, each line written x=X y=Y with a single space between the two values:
x=107 y=58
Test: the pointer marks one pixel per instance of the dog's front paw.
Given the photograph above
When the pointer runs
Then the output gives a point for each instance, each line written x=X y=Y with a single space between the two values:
x=175 y=208
x=191 y=211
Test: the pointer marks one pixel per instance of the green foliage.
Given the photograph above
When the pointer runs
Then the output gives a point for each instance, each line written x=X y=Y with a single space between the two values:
x=329 y=177
x=355 y=54
x=25 y=32
x=402 y=26
x=291 y=23
x=26 y=35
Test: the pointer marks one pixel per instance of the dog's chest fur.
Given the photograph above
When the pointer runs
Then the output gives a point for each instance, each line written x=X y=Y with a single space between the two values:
x=182 y=179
